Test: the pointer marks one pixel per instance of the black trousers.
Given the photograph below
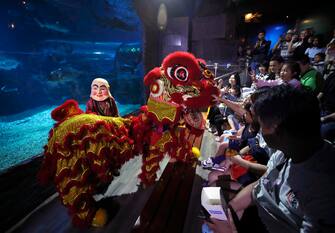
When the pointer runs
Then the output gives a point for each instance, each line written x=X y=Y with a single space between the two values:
x=216 y=119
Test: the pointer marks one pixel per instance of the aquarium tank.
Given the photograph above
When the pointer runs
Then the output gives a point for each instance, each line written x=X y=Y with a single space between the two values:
x=50 y=51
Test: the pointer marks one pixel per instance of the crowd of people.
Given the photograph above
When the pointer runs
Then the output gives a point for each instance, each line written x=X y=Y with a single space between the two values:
x=276 y=138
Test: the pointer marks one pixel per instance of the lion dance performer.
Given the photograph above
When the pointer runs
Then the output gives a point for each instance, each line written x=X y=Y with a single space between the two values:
x=85 y=151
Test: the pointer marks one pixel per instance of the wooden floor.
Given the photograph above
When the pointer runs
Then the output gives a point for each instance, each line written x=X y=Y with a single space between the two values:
x=53 y=217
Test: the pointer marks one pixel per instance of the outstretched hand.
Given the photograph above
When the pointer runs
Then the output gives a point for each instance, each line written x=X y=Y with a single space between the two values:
x=216 y=99
x=219 y=226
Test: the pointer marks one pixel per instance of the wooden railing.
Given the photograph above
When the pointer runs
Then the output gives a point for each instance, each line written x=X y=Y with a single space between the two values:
x=166 y=209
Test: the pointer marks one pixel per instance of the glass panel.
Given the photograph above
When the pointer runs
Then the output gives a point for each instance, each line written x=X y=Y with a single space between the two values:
x=50 y=51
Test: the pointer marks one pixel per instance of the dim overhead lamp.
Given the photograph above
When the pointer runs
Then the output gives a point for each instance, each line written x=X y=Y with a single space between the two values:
x=162 y=17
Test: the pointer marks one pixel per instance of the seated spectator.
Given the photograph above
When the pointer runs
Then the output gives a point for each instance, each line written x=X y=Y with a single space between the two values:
x=231 y=92
x=241 y=138
x=261 y=75
x=234 y=85
x=327 y=96
x=330 y=59
x=274 y=67
x=290 y=197
x=310 y=78
x=289 y=75
x=316 y=48
x=327 y=103
x=251 y=159
x=319 y=62
x=245 y=143
x=238 y=107
x=328 y=127
x=282 y=46
x=218 y=113
x=263 y=71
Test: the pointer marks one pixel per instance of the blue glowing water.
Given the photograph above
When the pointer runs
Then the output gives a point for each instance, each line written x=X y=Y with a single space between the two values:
x=23 y=135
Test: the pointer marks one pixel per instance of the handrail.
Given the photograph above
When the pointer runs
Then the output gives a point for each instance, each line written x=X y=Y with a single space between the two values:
x=217 y=65
x=226 y=75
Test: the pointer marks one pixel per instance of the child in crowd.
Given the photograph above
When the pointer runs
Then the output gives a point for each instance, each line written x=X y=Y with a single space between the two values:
x=289 y=75
x=319 y=62
x=263 y=72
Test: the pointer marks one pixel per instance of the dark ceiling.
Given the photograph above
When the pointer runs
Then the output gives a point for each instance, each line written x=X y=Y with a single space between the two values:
x=272 y=10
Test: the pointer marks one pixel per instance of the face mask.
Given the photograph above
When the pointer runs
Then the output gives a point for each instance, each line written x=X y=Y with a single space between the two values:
x=100 y=89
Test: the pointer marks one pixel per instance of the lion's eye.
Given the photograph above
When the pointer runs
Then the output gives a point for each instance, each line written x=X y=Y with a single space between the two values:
x=157 y=88
x=179 y=73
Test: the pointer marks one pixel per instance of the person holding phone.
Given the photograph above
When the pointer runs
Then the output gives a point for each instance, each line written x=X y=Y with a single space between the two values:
x=260 y=50
x=282 y=46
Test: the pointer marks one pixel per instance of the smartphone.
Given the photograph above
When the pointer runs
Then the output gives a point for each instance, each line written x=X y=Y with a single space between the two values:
x=220 y=169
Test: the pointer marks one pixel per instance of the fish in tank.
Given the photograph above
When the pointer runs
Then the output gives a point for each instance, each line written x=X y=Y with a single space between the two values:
x=50 y=51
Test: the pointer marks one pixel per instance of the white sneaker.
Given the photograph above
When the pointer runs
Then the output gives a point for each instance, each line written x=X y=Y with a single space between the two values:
x=208 y=163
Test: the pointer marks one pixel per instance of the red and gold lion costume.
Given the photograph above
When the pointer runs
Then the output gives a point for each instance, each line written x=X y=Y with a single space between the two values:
x=85 y=151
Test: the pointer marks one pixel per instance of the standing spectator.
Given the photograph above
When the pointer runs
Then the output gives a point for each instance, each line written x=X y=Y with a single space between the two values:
x=282 y=46
x=310 y=78
x=242 y=47
x=330 y=59
x=261 y=50
x=316 y=48
x=330 y=52
x=298 y=47
x=242 y=52
x=332 y=40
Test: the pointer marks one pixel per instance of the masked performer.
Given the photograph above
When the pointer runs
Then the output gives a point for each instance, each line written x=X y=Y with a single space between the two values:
x=101 y=101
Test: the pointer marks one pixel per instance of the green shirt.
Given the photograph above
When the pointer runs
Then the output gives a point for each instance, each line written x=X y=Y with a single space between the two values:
x=312 y=80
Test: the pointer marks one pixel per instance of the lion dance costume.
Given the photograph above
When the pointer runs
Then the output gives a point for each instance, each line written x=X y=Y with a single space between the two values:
x=85 y=151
